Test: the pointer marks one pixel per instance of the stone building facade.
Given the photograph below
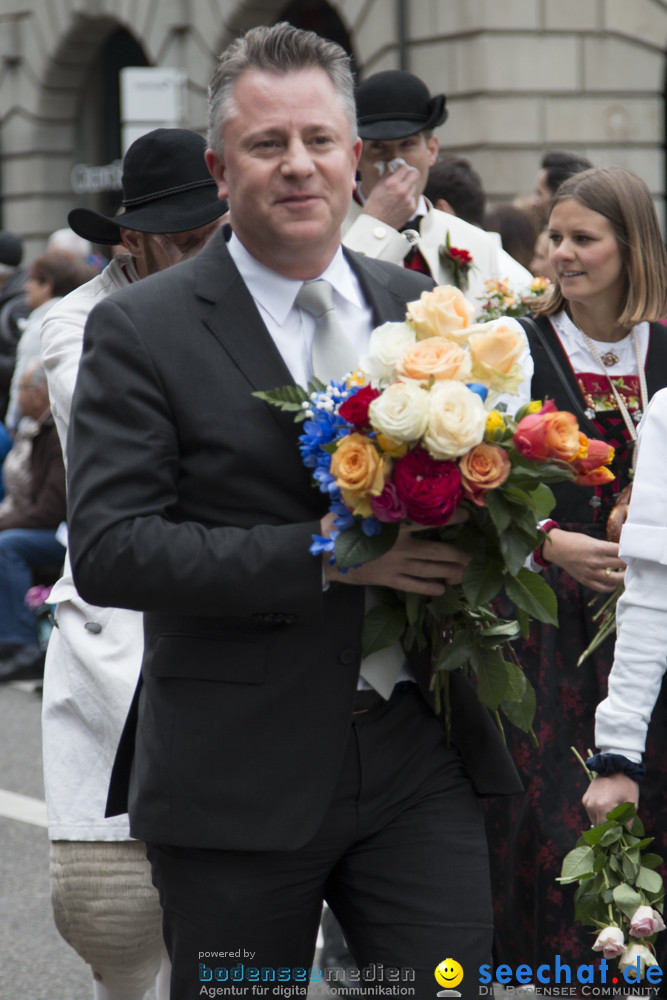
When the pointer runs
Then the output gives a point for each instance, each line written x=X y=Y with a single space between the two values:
x=521 y=77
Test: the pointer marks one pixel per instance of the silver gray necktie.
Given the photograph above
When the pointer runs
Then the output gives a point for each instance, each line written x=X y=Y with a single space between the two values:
x=333 y=354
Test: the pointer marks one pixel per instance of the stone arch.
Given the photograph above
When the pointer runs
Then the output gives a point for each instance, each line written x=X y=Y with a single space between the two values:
x=315 y=15
x=72 y=118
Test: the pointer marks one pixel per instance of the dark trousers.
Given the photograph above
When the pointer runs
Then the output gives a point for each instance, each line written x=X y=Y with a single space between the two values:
x=400 y=857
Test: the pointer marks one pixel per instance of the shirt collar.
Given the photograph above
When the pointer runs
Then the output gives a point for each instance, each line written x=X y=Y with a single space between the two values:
x=276 y=293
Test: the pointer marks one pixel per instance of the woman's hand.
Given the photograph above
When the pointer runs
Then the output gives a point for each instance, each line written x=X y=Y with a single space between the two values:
x=604 y=794
x=590 y=561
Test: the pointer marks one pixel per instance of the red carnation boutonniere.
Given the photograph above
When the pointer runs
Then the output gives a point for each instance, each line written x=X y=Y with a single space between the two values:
x=458 y=261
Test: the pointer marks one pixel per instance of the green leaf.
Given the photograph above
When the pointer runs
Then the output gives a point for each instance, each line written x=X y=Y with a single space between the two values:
x=456 y=653
x=577 y=864
x=631 y=869
x=626 y=899
x=533 y=595
x=288 y=397
x=519 y=710
x=382 y=627
x=500 y=511
x=612 y=836
x=492 y=679
x=622 y=813
x=353 y=547
x=500 y=631
x=651 y=861
x=516 y=544
x=648 y=880
x=482 y=580
x=414 y=607
x=543 y=501
x=595 y=835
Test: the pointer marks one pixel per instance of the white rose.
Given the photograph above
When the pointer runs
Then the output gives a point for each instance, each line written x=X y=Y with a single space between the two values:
x=610 y=941
x=637 y=951
x=456 y=420
x=387 y=344
x=401 y=412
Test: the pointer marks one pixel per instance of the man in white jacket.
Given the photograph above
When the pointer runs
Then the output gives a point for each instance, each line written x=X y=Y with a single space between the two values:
x=390 y=218
x=104 y=903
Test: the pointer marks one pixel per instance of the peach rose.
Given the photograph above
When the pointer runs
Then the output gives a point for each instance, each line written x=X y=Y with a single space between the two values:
x=444 y=312
x=484 y=468
x=435 y=358
x=495 y=349
x=359 y=470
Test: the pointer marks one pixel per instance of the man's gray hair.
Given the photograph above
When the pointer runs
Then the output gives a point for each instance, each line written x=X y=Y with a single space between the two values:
x=281 y=49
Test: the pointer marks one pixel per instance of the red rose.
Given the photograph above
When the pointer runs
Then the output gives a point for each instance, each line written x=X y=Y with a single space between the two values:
x=597 y=453
x=430 y=489
x=463 y=257
x=355 y=408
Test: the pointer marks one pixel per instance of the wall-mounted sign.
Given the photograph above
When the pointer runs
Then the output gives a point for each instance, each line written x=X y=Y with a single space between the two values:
x=90 y=180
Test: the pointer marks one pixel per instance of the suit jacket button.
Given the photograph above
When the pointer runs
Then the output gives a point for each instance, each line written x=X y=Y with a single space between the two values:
x=347 y=656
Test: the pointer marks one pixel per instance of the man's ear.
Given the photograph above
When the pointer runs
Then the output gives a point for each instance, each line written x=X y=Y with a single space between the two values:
x=132 y=241
x=444 y=206
x=433 y=144
x=216 y=167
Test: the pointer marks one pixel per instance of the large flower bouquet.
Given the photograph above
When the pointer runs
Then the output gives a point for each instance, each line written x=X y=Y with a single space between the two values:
x=620 y=891
x=413 y=436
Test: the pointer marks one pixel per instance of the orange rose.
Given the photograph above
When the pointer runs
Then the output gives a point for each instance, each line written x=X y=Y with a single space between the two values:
x=484 y=468
x=359 y=470
x=549 y=434
x=434 y=358
x=562 y=437
x=444 y=312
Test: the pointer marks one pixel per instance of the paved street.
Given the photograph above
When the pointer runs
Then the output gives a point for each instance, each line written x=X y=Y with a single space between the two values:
x=35 y=963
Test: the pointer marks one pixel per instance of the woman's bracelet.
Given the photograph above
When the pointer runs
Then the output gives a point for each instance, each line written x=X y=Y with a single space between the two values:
x=538 y=554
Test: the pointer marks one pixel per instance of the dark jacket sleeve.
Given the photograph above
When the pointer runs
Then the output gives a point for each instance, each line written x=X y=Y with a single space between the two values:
x=48 y=507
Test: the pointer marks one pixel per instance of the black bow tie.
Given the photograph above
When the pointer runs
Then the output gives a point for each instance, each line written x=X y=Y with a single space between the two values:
x=413 y=224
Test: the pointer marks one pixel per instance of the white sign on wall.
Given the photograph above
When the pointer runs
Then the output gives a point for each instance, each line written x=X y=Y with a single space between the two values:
x=150 y=97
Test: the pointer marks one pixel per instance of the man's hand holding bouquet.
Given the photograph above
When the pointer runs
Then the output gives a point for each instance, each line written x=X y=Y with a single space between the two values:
x=416 y=440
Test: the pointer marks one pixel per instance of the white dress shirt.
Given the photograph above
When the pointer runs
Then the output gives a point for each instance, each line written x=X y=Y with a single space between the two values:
x=640 y=657
x=292 y=328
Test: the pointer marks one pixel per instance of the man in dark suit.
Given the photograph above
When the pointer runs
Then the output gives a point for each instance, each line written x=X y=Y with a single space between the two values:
x=262 y=773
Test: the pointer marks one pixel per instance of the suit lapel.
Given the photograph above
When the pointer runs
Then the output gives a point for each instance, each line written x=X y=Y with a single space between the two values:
x=386 y=303
x=235 y=321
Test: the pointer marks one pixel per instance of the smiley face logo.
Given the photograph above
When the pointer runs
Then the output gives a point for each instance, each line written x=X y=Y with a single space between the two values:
x=449 y=974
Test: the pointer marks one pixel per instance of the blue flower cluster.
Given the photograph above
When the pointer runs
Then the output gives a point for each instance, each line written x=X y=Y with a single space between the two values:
x=323 y=427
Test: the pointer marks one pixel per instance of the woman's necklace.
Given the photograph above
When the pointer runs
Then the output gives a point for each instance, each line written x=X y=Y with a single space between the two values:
x=607 y=360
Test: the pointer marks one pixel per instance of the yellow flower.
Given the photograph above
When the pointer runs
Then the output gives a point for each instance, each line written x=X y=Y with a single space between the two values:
x=539 y=284
x=390 y=447
x=534 y=406
x=357 y=377
x=495 y=422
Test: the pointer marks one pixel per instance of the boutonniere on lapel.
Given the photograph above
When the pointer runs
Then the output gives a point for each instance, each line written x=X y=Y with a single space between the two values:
x=458 y=261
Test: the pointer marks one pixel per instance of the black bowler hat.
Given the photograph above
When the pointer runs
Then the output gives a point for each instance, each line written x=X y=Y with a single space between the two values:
x=11 y=249
x=394 y=104
x=167 y=188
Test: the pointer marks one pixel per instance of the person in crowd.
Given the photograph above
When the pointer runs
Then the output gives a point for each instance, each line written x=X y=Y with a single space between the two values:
x=517 y=231
x=599 y=353
x=260 y=773
x=48 y=279
x=13 y=308
x=635 y=682
x=453 y=186
x=31 y=512
x=390 y=218
x=104 y=903
x=540 y=265
x=555 y=167
x=69 y=243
